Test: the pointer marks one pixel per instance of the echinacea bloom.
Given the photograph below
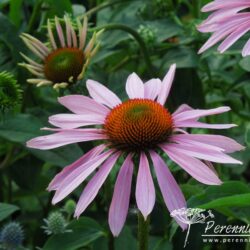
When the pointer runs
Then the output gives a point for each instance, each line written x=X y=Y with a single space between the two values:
x=229 y=21
x=64 y=59
x=138 y=129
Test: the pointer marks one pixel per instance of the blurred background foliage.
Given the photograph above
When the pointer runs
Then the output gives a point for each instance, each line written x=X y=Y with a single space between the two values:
x=168 y=30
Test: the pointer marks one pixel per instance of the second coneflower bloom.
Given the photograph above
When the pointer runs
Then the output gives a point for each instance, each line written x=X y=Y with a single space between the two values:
x=229 y=21
x=141 y=131
x=64 y=59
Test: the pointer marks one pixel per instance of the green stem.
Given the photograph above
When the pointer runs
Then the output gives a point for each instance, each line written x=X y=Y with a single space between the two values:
x=6 y=162
x=111 y=242
x=34 y=16
x=143 y=232
x=100 y=7
x=196 y=8
x=137 y=37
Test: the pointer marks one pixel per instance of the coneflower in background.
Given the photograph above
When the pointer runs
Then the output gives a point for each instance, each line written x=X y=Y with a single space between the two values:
x=229 y=21
x=65 y=59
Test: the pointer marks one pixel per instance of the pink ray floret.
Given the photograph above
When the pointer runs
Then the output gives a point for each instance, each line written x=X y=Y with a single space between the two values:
x=229 y=21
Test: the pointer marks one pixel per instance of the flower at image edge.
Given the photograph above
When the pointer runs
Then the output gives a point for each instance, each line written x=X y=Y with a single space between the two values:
x=138 y=128
x=63 y=62
x=229 y=21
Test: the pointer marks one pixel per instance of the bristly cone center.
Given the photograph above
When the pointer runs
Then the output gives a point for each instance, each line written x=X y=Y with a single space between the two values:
x=138 y=124
x=64 y=64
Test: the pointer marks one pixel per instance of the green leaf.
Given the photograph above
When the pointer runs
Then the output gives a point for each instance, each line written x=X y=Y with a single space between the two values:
x=247 y=136
x=11 y=43
x=125 y=240
x=31 y=167
x=183 y=57
x=6 y=210
x=159 y=243
x=20 y=128
x=15 y=13
x=59 y=9
x=245 y=63
x=85 y=231
x=224 y=198
x=240 y=200
x=59 y=156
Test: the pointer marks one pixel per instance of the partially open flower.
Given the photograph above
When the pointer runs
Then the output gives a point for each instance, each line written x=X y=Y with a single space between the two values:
x=65 y=59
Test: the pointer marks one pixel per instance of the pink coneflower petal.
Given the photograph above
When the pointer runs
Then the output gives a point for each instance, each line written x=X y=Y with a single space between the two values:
x=152 y=88
x=74 y=37
x=77 y=176
x=145 y=191
x=134 y=86
x=82 y=32
x=219 y=4
x=187 y=141
x=197 y=113
x=210 y=165
x=56 y=182
x=228 y=144
x=60 y=32
x=166 y=85
x=102 y=94
x=64 y=138
x=194 y=124
x=202 y=153
x=68 y=31
x=182 y=108
x=229 y=21
x=120 y=202
x=92 y=188
x=196 y=168
x=75 y=121
x=80 y=104
x=231 y=39
x=211 y=23
x=33 y=48
x=246 y=49
x=216 y=37
x=170 y=190
x=51 y=36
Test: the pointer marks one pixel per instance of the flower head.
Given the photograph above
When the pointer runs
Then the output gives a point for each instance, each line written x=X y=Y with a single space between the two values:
x=229 y=22
x=138 y=128
x=11 y=236
x=10 y=91
x=63 y=62
x=55 y=224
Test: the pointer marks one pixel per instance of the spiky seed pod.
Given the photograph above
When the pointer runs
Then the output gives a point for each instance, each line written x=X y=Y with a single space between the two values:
x=11 y=236
x=55 y=224
x=10 y=91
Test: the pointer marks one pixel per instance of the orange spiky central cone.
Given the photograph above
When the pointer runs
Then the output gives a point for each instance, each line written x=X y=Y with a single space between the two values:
x=138 y=124
x=63 y=64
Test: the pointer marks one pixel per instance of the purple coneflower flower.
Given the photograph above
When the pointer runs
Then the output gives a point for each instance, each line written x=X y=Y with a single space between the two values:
x=139 y=128
x=228 y=22
x=64 y=59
